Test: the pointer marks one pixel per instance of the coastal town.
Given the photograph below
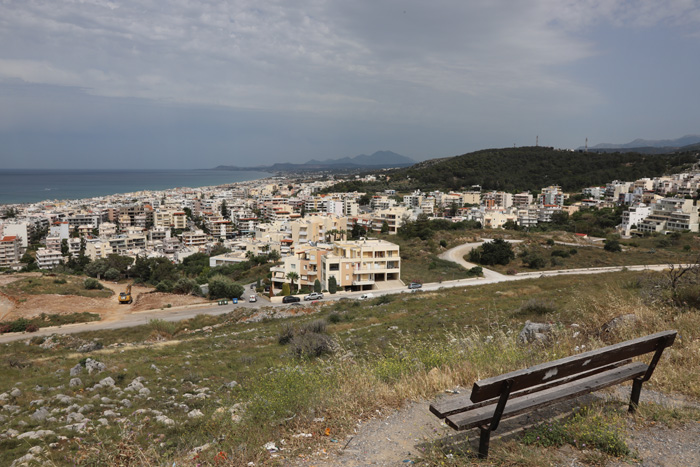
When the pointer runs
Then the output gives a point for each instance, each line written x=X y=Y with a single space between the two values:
x=312 y=233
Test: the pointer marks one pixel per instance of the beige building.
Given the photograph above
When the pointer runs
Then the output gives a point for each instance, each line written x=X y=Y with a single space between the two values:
x=97 y=249
x=362 y=265
x=318 y=229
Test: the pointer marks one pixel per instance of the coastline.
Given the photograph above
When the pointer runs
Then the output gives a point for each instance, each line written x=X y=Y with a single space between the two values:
x=21 y=189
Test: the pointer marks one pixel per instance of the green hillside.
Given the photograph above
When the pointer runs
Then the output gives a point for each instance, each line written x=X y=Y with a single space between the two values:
x=526 y=168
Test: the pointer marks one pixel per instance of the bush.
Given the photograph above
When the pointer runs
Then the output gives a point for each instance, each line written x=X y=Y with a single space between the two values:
x=92 y=284
x=535 y=306
x=31 y=328
x=477 y=271
x=317 y=286
x=332 y=285
x=561 y=253
x=223 y=287
x=286 y=334
x=165 y=286
x=111 y=274
x=311 y=345
x=612 y=246
x=186 y=286
x=491 y=253
x=573 y=251
x=334 y=317
x=318 y=326
x=286 y=290
x=60 y=281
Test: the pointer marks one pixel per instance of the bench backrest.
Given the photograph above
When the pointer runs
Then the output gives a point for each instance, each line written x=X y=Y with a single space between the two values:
x=490 y=388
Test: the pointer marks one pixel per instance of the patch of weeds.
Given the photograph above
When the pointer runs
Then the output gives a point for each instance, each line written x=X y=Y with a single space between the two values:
x=669 y=416
x=163 y=328
x=286 y=334
x=384 y=300
x=537 y=307
x=586 y=429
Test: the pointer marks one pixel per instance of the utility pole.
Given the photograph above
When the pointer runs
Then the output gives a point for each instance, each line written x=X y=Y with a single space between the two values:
x=537 y=140
x=586 y=143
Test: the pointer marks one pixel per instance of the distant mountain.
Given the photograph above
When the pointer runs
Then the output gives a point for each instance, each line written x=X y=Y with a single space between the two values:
x=639 y=143
x=383 y=158
x=378 y=160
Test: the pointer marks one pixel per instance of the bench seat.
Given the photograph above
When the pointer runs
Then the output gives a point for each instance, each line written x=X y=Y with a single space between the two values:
x=472 y=417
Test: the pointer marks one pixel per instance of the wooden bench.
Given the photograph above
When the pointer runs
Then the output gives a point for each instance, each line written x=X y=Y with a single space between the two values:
x=522 y=391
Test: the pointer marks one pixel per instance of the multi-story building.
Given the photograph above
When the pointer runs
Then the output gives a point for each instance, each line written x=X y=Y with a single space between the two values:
x=48 y=259
x=670 y=214
x=362 y=265
x=552 y=196
x=10 y=249
x=196 y=238
x=121 y=244
x=97 y=249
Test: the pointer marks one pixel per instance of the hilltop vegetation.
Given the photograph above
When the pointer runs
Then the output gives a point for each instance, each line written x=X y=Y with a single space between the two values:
x=525 y=168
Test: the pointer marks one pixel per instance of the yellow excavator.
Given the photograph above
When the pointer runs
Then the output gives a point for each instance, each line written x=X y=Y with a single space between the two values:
x=125 y=297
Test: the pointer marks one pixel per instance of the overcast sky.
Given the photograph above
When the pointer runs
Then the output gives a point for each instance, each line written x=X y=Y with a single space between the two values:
x=198 y=83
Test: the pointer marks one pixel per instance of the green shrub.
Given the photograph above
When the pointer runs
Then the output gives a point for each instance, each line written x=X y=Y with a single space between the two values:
x=286 y=290
x=535 y=306
x=92 y=284
x=561 y=253
x=111 y=274
x=334 y=317
x=612 y=246
x=60 y=281
x=165 y=286
x=223 y=287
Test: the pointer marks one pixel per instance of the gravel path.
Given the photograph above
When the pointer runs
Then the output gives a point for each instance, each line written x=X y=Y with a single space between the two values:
x=399 y=437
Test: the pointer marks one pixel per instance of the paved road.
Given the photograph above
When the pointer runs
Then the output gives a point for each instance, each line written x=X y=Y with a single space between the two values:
x=455 y=254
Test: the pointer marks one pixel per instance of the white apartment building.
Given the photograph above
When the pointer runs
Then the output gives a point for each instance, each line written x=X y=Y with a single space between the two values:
x=10 y=250
x=48 y=259
x=671 y=214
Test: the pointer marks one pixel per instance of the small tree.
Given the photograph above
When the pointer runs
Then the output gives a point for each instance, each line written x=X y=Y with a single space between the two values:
x=317 y=286
x=92 y=284
x=385 y=227
x=292 y=276
x=612 y=246
x=332 y=285
x=285 y=289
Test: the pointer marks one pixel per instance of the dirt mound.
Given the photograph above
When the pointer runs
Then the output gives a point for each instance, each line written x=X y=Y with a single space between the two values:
x=155 y=300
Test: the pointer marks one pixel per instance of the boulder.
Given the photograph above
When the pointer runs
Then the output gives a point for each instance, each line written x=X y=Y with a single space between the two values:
x=93 y=366
x=74 y=382
x=532 y=332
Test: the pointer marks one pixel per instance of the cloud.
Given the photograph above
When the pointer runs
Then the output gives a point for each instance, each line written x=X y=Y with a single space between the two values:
x=440 y=64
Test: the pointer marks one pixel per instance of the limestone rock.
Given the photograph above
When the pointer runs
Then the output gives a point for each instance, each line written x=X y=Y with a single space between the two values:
x=532 y=332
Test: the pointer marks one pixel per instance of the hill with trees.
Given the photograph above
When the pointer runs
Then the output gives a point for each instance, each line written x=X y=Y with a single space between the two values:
x=526 y=168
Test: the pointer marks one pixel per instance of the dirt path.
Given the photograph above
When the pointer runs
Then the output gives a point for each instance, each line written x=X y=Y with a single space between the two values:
x=400 y=437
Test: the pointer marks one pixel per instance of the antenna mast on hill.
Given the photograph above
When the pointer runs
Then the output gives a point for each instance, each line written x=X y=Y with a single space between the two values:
x=586 y=143
x=537 y=140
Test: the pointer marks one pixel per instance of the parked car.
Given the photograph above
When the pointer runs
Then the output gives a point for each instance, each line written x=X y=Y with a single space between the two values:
x=290 y=299
x=314 y=296
x=415 y=285
x=366 y=296
x=253 y=298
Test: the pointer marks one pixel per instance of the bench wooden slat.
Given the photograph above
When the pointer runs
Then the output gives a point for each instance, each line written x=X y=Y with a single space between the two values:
x=455 y=404
x=490 y=388
x=482 y=415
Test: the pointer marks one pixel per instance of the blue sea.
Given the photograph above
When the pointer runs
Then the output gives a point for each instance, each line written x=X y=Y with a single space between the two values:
x=31 y=186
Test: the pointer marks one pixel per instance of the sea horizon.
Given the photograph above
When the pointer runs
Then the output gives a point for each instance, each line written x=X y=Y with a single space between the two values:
x=26 y=186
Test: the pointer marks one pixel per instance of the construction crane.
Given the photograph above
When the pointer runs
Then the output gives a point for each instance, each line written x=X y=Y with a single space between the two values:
x=125 y=297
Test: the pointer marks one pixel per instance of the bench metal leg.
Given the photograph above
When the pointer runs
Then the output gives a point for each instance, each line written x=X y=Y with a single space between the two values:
x=484 y=442
x=636 y=392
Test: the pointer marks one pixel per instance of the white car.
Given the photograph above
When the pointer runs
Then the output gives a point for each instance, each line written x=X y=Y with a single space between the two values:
x=366 y=296
x=253 y=298
x=314 y=296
